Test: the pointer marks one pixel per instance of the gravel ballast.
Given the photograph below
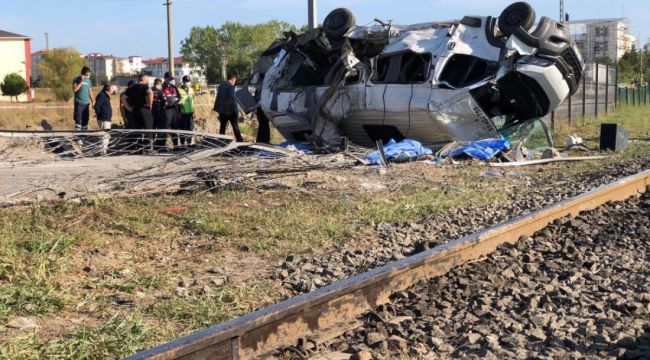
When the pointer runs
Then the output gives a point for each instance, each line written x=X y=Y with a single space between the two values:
x=306 y=273
x=580 y=288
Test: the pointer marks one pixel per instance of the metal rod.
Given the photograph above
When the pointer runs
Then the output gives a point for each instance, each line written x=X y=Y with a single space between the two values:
x=597 y=85
x=553 y=120
x=616 y=95
x=584 y=97
x=312 y=14
x=570 y=109
x=606 y=88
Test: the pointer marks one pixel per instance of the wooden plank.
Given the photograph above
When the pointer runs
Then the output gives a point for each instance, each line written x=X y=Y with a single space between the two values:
x=546 y=161
x=282 y=324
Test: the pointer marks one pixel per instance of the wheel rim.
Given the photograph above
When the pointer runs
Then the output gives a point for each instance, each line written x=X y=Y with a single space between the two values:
x=336 y=22
x=515 y=18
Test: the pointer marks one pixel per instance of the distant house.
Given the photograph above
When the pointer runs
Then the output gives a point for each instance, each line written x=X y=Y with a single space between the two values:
x=107 y=67
x=137 y=65
x=157 y=67
x=36 y=59
x=16 y=58
x=102 y=66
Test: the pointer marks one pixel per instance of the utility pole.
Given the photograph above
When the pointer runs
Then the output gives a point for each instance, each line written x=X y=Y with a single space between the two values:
x=312 y=19
x=561 y=11
x=170 y=38
x=47 y=41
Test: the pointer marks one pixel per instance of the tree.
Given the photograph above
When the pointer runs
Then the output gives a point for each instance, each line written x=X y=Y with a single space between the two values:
x=58 y=67
x=13 y=85
x=233 y=47
x=202 y=48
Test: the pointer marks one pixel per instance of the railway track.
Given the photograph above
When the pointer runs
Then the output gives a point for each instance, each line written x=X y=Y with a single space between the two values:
x=325 y=314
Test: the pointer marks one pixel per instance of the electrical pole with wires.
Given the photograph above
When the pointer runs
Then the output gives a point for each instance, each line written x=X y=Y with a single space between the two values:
x=170 y=38
x=312 y=21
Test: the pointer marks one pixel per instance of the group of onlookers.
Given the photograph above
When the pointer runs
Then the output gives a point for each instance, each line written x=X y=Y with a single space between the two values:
x=164 y=106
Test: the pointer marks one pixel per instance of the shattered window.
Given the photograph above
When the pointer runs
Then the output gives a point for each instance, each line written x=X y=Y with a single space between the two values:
x=464 y=70
x=403 y=68
x=533 y=134
x=301 y=72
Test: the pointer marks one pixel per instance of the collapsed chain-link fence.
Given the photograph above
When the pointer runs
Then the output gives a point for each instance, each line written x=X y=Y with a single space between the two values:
x=46 y=165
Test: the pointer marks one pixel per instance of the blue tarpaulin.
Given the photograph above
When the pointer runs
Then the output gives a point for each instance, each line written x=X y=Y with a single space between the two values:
x=481 y=149
x=405 y=150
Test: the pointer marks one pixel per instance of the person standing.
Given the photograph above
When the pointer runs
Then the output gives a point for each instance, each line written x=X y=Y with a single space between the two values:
x=159 y=116
x=226 y=106
x=139 y=100
x=127 y=116
x=186 y=107
x=103 y=108
x=104 y=114
x=83 y=99
x=172 y=98
x=264 y=128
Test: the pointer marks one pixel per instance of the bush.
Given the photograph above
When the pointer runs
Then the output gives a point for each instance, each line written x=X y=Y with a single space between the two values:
x=13 y=85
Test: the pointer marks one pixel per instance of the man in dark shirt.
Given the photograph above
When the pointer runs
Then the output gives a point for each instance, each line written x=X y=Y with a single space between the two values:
x=104 y=113
x=139 y=100
x=127 y=116
x=226 y=106
x=159 y=116
x=103 y=108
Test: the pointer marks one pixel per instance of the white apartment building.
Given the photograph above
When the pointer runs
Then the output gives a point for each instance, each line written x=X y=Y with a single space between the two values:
x=157 y=67
x=599 y=38
x=103 y=66
x=109 y=66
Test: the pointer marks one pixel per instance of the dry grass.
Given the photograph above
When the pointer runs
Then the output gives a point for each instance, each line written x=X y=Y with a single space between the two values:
x=59 y=115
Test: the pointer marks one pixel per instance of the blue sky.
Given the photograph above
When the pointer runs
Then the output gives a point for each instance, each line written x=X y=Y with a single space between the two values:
x=138 y=27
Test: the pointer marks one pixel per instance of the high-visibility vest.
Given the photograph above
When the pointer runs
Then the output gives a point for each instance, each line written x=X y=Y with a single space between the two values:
x=186 y=104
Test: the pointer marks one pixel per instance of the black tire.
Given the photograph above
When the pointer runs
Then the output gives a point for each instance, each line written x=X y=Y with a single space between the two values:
x=519 y=14
x=338 y=23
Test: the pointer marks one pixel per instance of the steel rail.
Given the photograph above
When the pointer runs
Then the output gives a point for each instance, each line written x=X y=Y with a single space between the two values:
x=258 y=334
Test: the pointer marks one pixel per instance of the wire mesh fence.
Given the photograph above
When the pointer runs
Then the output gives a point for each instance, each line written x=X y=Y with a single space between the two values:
x=599 y=93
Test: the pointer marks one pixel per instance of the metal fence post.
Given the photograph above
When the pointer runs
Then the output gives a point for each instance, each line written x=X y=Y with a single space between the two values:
x=584 y=97
x=627 y=98
x=606 y=88
x=633 y=96
x=639 y=91
x=616 y=94
x=553 y=120
x=570 y=110
x=597 y=86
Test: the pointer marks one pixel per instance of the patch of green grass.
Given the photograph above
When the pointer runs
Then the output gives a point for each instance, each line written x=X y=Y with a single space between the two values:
x=199 y=312
x=117 y=338
x=415 y=203
x=34 y=244
x=634 y=119
x=26 y=297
